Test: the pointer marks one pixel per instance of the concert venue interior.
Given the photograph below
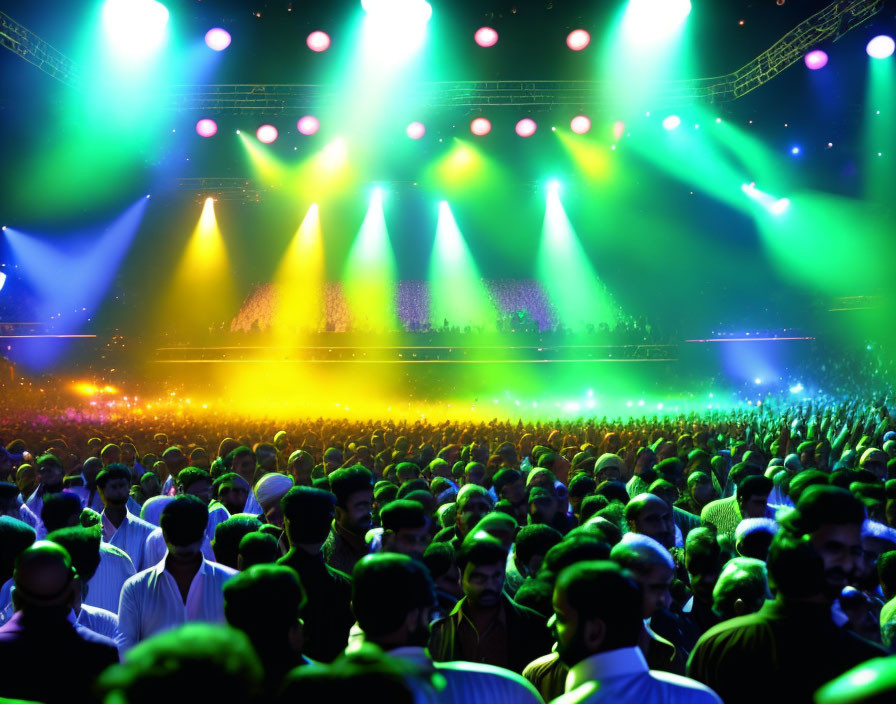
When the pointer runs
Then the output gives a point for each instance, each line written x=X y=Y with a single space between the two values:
x=523 y=209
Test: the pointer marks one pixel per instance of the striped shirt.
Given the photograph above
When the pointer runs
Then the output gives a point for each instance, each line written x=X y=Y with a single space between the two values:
x=130 y=536
x=104 y=588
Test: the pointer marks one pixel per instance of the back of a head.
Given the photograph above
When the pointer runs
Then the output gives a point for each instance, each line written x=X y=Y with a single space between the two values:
x=348 y=480
x=83 y=546
x=504 y=478
x=15 y=537
x=228 y=535
x=614 y=491
x=803 y=480
x=184 y=520
x=264 y=602
x=60 y=511
x=402 y=513
x=640 y=554
x=257 y=549
x=702 y=551
x=754 y=485
x=307 y=514
x=741 y=589
x=536 y=539
x=823 y=504
x=581 y=486
x=591 y=505
x=569 y=552
x=753 y=537
x=197 y=662
x=618 y=606
x=439 y=558
x=385 y=588
x=468 y=491
x=886 y=572
x=43 y=578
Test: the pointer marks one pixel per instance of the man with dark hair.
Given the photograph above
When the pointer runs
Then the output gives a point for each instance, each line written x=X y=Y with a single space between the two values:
x=257 y=549
x=703 y=562
x=266 y=602
x=509 y=485
x=701 y=491
x=183 y=586
x=83 y=546
x=60 y=510
x=241 y=460
x=231 y=491
x=392 y=598
x=473 y=502
x=50 y=481
x=487 y=625
x=405 y=528
x=198 y=482
x=531 y=545
x=44 y=595
x=792 y=646
x=750 y=500
x=15 y=537
x=307 y=516
x=651 y=516
x=228 y=535
x=441 y=562
x=597 y=618
x=346 y=544
x=121 y=528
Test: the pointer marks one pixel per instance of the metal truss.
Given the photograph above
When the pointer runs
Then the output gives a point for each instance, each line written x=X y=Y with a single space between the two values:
x=829 y=24
x=25 y=43
x=221 y=189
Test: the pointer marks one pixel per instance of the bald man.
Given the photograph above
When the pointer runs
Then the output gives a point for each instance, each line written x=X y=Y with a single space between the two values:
x=44 y=593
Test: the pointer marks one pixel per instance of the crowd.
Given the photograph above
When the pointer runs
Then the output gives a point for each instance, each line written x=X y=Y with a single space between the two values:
x=728 y=557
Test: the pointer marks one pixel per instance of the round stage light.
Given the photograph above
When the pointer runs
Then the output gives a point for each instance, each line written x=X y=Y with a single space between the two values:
x=308 y=125
x=580 y=124
x=416 y=130
x=267 y=134
x=135 y=28
x=816 y=59
x=526 y=127
x=217 y=39
x=486 y=37
x=318 y=41
x=672 y=122
x=881 y=47
x=206 y=127
x=618 y=129
x=578 y=39
x=480 y=127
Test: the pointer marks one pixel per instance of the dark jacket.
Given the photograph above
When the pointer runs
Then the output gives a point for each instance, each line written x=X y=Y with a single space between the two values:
x=328 y=616
x=46 y=659
x=528 y=636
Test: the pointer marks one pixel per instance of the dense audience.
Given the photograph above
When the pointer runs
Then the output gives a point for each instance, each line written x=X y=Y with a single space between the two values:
x=730 y=557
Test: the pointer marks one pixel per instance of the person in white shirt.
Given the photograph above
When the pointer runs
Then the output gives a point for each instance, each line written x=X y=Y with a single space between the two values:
x=597 y=619
x=182 y=587
x=114 y=570
x=122 y=528
x=197 y=482
x=392 y=597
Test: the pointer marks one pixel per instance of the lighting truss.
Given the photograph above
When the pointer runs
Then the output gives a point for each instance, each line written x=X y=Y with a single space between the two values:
x=24 y=43
x=221 y=189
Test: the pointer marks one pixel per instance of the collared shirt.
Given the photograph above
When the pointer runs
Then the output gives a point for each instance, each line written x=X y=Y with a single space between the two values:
x=130 y=536
x=343 y=549
x=27 y=516
x=151 y=601
x=781 y=639
x=216 y=514
x=99 y=621
x=104 y=588
x=470 y=682
x=622 y=675
x=488 y=645
x=157 y=550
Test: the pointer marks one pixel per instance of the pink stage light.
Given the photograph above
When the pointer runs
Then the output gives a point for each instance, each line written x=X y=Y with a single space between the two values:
x=619 y=129
x=308 y=125
x=526 y=127
x=580 y=124
x=318 y=41
x=480 y=127
x=416 y=130
x=217 y=39
x=206 y=127
x=267 y=134
x=486 y=37
x=578 y=39
x=816 y=59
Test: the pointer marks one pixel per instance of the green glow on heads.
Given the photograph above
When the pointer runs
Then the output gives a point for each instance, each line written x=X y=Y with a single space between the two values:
x=458 y=293
x=879 y=145
x=565 y=272
x=370 y=273
x=300 y=281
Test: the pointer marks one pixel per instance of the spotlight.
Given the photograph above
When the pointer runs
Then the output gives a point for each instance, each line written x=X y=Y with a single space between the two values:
x=618 y=129
x=796 y=389
x=480 y=127
x=580 y=124
x=650 y=21
x=318 y=41
x=394 y=30
x=136 y=28
x=217 y=39
x=672 y=122
x=881 y=47
x=526 y=127
x=553 y=186
x=780 y=206
x=206 y=127
x=795 y=151
x=816 y=59
x=578 y=39
x=485 y=37
x=308 y=125
x=266 y=134
x=416 y=130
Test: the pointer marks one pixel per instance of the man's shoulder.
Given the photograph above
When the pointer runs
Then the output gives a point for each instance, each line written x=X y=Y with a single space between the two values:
x=220 y=571
x=113 y=552
x=525 y=613
x=338 y=576
x=137 y=522
x=498 y=678
x=695 y=691
x=738 y=628
x=713 y=507
x=582 y=693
